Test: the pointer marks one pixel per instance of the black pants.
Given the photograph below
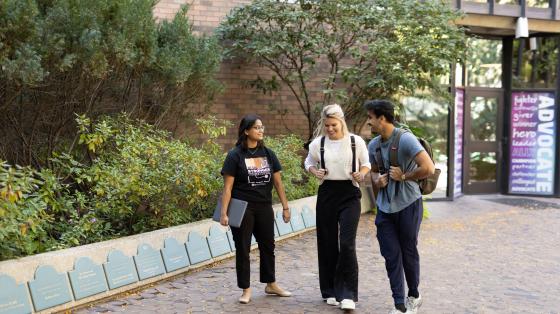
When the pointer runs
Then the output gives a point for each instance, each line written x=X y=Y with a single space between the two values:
x=397 y=234
x=258 y=221
x=338 y=213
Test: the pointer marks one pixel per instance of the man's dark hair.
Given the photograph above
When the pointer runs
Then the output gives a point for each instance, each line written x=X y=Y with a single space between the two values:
x=381 y=107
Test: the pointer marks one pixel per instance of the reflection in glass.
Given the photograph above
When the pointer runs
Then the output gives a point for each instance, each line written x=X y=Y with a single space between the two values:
x=484 y=116
x=504 y=1
x=484 y=62
x=482 y=167
x=538 y=3
x=428 y=118
x=535 y=68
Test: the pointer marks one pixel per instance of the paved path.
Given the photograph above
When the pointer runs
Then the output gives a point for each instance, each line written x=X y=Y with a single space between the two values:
x=477 y=256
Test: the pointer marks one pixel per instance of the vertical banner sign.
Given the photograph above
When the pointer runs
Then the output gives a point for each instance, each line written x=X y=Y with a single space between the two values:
x=458 y=162
x=532 y=143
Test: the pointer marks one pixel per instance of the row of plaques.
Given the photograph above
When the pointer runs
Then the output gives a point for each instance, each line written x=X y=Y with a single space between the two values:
x=50 y=288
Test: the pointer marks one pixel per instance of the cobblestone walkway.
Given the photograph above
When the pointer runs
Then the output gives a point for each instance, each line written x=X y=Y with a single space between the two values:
x=477 y=256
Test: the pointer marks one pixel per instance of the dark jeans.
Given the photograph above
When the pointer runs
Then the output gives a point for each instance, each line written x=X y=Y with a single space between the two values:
x=258 y=221
x=338 y=213
x=397 y=234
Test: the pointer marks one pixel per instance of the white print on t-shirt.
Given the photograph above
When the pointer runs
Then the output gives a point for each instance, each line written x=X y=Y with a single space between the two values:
x=259 y=171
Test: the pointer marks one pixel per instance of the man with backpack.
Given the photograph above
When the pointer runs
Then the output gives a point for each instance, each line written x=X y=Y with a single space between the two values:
x=399 y=201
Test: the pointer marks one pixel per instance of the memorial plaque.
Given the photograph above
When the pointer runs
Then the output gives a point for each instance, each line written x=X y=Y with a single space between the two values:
x=197 y=248
x=308 y=217
x=218 y=241
x=49 y=288
x=148 y=262
x=87 y=278
x=120 y=270
x=283 y=228
x=230 y=239
x=13 y=297
x=174 y=255
x=296 y=220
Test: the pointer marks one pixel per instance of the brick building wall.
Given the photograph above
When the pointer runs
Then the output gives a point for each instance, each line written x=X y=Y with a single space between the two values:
x=238 y=99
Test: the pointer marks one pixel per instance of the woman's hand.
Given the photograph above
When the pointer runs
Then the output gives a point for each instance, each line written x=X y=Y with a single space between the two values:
x=224 y=220
x=286 y=215
x=358 y=176
x=319 y=173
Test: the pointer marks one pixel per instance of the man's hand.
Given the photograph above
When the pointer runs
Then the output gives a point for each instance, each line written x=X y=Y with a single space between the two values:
x=396 y=173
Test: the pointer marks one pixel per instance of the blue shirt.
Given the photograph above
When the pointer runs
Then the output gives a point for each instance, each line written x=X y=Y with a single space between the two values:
x=388 y=200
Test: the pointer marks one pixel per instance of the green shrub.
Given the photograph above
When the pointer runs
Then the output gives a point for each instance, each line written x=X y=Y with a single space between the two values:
x=30 y=202
x=140 y=178
x=130 y=178
x=297 y=182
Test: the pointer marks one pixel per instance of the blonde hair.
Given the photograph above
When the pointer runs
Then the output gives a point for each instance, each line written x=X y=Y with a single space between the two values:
x=331 y=111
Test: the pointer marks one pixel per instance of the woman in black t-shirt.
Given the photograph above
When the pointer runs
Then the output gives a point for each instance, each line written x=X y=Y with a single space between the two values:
x=250 y=170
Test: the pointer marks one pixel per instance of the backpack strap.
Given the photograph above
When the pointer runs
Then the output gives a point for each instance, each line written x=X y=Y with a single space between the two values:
x=393 y=153
x=379 y=158
x=353 y=141
x=322 y=152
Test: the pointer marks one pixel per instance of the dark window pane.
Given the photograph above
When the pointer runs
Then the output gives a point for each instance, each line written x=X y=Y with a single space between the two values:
x=535 y=68
x=483 y=167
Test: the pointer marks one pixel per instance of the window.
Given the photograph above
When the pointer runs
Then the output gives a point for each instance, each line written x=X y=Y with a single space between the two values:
x=535 y=68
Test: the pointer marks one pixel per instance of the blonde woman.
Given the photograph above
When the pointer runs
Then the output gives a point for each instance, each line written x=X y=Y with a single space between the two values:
x=340 y=160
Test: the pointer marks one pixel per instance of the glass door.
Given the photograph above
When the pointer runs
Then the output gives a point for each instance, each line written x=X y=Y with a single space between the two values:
x=482 y=147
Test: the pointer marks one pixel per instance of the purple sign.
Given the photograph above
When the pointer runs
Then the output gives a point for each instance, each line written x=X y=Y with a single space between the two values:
x=532 y=143
x=458 y=175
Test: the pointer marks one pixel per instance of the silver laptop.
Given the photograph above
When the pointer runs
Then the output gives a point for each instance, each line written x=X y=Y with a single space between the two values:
x=236 y=211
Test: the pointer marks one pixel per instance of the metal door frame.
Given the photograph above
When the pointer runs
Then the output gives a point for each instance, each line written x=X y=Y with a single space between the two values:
x=482 y=146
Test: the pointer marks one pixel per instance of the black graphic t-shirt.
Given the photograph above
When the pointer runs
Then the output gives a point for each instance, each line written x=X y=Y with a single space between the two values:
x=252 y=171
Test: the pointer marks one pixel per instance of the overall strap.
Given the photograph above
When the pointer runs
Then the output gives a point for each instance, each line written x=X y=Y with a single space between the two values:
x=322 y=150
x=353 y=141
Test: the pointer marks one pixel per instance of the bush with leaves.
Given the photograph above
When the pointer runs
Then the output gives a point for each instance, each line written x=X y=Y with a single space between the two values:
x=31 y=204
x=58 y=58
x=140 y=178
x=130 y=178
x=297 y=182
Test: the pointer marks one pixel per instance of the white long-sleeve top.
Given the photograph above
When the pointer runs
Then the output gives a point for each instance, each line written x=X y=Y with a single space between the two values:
x=338 y=157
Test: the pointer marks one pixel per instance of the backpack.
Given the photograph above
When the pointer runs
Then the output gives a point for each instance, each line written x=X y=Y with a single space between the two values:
x=427 y=185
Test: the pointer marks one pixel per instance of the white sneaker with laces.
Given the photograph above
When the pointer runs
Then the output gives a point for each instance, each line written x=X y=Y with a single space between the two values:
x=412 y=304
x=347 y=304
x=332 y=301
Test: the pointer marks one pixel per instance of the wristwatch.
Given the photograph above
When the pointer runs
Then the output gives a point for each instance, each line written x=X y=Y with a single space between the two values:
x=403 y=177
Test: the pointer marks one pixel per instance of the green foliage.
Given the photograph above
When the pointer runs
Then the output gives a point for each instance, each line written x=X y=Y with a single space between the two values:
x=29 y=202
x=99 y=57
x=130 y=178
x=361 y=50
x=297 y=182
x=142 y=179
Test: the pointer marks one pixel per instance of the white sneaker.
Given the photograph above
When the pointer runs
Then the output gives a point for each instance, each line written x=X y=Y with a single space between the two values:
x=332 y=301
x=347 y=304
x=412 y=304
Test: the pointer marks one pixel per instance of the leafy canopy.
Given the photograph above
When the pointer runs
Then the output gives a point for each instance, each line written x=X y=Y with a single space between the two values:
x=356 y=49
